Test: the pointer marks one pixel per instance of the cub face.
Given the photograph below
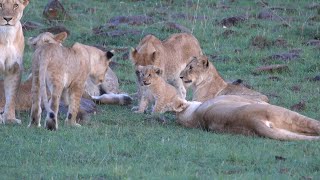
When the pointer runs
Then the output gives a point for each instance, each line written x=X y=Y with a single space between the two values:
x=148 y=74
x=194 y=69
x=100 y=68
x=11 y=11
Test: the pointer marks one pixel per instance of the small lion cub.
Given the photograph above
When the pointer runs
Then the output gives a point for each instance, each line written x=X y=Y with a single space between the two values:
x=163 y=93
x=63 y=72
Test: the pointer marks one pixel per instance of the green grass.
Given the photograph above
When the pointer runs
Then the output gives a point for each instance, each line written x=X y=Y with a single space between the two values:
x=118 y=144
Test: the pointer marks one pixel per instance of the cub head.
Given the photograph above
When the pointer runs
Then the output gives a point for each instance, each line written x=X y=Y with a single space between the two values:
x=197 y=67
x=100 y=65
x=148 y=74
x=11 y=11
x=46 y=38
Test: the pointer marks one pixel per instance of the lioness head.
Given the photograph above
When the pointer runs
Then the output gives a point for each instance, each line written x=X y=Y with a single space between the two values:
x=148 y=74
x=11 y=11
x=46 y=38
x=197 y=66
x=100 y=67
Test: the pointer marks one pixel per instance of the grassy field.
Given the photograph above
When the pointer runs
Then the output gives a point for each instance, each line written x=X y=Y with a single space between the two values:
x=118 y=144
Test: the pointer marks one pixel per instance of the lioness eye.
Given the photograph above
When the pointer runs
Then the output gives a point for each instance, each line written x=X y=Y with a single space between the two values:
x=0 y=5
x=190 y=67
x=15 y=6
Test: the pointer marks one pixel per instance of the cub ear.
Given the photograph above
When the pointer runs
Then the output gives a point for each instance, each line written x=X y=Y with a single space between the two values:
x=204 y=61
x=133 y=53
x=25 y=2
x=60 y=37
x=109 y=54
x=158 y=71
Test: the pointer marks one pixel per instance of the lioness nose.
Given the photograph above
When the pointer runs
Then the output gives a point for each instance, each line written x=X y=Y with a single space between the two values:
x=7 y=18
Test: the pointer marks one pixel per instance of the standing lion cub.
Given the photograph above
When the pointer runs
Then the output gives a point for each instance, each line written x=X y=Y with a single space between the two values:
x=63 y=71
x=171 y=55
x=11 y=53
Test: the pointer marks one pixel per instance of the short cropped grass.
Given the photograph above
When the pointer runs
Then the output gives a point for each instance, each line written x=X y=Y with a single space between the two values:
x=119 y=144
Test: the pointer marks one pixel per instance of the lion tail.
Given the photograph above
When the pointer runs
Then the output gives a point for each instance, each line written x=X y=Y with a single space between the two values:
x=43 y=89
x=111 y=98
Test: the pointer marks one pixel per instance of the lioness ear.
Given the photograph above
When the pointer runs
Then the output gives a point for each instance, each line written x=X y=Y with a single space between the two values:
x=25 y=2
x=60 y=37
x=180 y=105
x=109 y=54
x=154 y=56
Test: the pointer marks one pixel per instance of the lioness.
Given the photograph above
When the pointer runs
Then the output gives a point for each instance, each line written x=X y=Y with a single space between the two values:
x=207 y=83
x=11 y=53
x=162 y=92
x=239 y=115
x=171 y=55
x=232 y=113
x=64 y=71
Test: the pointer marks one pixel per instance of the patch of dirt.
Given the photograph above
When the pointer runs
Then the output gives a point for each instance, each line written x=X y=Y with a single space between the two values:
x=117 y=33
x=31 y=25
x=56 y=29
x=274 y=78
x=232 y=21
x=313 y=42
x=188 y=17
x=131 y=20
x=280 y=158
x=313 y=6
x=272 y=68
x=286 y=56
x=260 y=42
x=280 y=42
x=300 y=106
x=227 y=33
x=55 y=11
x=296 y=88
x=175 y=26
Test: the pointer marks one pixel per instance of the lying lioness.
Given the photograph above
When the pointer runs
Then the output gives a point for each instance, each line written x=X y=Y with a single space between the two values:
x=207 y=83
x=239 y=115
x=231 y=113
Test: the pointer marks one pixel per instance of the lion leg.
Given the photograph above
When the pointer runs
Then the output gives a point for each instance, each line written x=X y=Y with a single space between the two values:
x=11 y=84
x=75 y=94
x=178 y=83
x=51 y=122
x=143 y=104
x=262 y=129
x=36 y=102
x=306 y=125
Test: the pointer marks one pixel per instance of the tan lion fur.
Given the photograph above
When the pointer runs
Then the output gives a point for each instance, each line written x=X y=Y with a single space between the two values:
x=170 y=55
x=63 y=71
x=206 y=82
x=232 y=113
x=239 y=115
x=11 y=53
x=162 y=92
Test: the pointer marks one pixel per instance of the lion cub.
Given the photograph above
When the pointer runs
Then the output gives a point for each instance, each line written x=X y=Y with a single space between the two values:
x=63 y=71
x=11 y=54
x=207 y=83
x=162 y=92
x=170 y=55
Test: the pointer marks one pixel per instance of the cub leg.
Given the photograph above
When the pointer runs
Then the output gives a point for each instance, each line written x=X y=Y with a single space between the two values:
x=36 y=102
x=52 y=117
x=11 y=84
x=178 y=83
x=143 y=104
x=75 y=94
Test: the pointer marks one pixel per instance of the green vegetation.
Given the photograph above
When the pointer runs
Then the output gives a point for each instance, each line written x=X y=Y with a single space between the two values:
x=118 y=144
